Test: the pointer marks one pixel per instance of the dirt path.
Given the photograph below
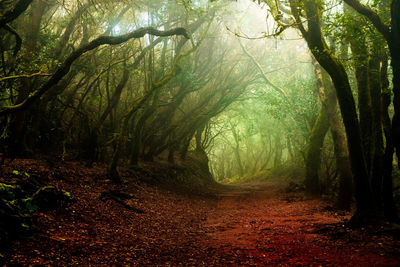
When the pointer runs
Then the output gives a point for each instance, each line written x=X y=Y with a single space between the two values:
x=255 y=224
x=252 y=224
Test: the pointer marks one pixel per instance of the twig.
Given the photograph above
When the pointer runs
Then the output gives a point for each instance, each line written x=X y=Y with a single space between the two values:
x=24 y=76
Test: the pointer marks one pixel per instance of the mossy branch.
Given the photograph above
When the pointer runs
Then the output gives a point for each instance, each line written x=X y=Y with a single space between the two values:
x=24 y=76
x=65 y=67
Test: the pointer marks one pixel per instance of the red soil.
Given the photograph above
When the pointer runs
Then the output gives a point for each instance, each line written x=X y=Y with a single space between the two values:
x=247 y=224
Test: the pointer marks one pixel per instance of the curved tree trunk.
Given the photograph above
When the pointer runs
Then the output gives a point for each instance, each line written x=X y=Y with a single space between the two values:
x=92 y=142
x=366 y=209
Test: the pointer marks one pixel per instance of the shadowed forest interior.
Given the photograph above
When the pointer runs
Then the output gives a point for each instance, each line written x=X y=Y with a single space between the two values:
x=200 y=132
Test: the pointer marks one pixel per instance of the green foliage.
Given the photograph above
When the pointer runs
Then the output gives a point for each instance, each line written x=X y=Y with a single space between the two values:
x=29 y=207
x=17 y=208
x=15 y=213
x=266 y=128
x=263 y=175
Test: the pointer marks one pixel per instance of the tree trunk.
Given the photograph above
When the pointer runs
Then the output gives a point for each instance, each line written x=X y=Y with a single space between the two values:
x=328 y=99
x=92 y=142
x=278 y=152
x=377 y=134
x=236 y=150
x=313 y=155
x=389 y=207
x=366 y=209
x=392 y=37
x=360 y=62
x=137 y=142
x=394 y=47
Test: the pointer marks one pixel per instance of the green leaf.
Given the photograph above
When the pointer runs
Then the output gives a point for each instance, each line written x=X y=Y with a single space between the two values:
x=29 y=206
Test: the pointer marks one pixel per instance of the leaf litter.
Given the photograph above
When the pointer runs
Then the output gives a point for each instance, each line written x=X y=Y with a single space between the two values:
x=247 y=224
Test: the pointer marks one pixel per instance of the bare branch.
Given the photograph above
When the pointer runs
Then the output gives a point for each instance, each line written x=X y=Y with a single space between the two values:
x=260 y=69
x=278 y=31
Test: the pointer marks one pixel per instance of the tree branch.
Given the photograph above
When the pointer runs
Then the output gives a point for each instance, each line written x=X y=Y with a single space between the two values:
x=262 y=72
x=372 y=16
x=65 y=67
x=296 y=15
x=24 y=76
x=18 y=40
x=14 y=13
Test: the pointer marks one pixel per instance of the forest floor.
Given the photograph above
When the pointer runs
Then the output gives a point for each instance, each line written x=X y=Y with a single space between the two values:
x=250 y=224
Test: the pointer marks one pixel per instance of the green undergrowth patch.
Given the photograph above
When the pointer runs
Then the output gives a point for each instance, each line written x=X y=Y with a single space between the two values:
x=286 y=174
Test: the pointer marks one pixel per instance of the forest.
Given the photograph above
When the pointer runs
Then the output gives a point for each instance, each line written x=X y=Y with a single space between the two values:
x=200 y=132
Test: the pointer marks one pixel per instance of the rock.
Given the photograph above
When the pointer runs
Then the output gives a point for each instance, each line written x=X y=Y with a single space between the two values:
x=49 y=198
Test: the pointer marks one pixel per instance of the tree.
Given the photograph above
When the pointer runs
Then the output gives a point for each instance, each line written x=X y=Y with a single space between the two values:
x=366 y=208
x=392 y=36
